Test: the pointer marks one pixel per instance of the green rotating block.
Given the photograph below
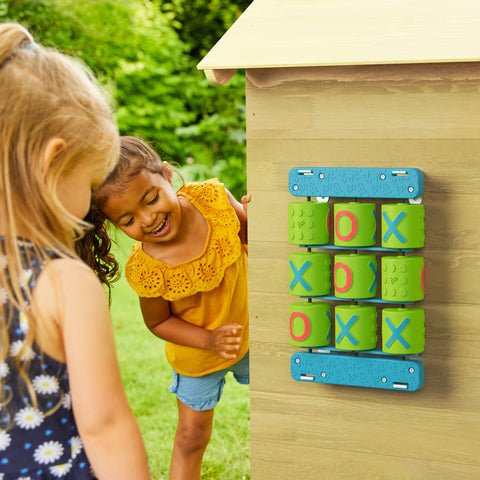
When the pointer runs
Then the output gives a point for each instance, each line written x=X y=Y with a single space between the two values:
x=308 y=223
x=402 y=278
x=355 y=224
x=310 y=324
x=403 y=330
x=355 y=327
x=309 y=274
x=355 y=276
x=403 y=225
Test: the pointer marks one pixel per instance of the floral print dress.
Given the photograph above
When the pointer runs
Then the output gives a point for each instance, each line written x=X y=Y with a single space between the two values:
x=39 y=439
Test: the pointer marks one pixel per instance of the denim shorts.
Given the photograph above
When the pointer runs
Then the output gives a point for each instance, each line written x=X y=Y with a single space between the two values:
x=203 y=393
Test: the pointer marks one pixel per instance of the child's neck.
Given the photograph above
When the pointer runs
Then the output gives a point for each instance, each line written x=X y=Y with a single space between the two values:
x=190 y=241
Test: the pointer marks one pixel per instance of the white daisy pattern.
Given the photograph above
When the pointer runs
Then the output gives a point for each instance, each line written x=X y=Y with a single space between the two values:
x=45 y=384
x=48 y=452
x=18 y=348
x=38 y=434
x=4 y=370
x=28 y=418
x=76 y=446
x=60 y=470
x=5 y=440
x=67 y=401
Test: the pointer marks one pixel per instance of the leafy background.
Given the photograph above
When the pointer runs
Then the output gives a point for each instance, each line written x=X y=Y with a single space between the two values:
x=146 y=53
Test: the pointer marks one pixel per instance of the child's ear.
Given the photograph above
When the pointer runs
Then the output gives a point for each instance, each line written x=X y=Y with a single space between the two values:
x=167 y=171
x=54 y=149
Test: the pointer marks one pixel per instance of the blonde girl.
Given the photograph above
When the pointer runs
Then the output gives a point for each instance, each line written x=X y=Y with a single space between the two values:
x=189 y=269
x=64 y=413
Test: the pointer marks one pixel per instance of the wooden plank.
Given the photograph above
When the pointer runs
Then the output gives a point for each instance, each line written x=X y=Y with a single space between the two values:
x=451 y=330
x=280 y=460
x=273 y=33
x=431 y=434
x=449 y=278
x=443 y=161
x=438 y=73
x=367 y=111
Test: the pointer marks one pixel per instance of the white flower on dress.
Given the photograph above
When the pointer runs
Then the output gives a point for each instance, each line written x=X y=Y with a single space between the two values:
x=76 y=445
x=4 y=370
x=48 y=452
x=18 y=347
x=23 y=320
x=5 y=440
x=45 y=384
x=28 y=418
x=67 y=401
x=60 y=470
x=3 y=261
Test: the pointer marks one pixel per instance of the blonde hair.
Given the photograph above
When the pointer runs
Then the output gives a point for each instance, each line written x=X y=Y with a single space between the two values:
x=43 y=95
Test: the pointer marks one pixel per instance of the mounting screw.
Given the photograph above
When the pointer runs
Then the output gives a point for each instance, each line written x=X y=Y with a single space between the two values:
x=410 y=189
x=322 y=175
x=323 y=374
x=384 y=379
x=383 y=176
x=411 y=370
x=295 y=187
x=297 y=360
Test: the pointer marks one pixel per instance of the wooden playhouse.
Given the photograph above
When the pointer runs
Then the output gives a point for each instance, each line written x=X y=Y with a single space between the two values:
x=363 y=84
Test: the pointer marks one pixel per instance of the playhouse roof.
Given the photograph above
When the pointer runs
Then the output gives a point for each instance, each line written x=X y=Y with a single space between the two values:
x=299 y=33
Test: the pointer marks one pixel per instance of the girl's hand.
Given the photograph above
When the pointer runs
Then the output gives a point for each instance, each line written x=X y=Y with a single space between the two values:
x=225 y=341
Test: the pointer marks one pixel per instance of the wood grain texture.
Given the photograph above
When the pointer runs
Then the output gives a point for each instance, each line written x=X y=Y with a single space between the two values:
x=282 y=33
x=392 y=121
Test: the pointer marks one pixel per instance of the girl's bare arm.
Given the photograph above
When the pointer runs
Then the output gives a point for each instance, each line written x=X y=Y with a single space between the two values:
x=158 y=318
x=73 y=297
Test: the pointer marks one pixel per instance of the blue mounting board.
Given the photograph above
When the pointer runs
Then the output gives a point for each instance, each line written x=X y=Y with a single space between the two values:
x=372 y=249
x=356 y=182
x=338 y=369
x=341 y=299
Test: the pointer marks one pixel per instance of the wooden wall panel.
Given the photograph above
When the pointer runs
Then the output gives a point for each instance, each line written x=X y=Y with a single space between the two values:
x=303 y=429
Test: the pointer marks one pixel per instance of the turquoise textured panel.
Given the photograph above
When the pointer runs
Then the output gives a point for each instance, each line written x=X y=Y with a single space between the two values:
x=361 y=371
x=355 y=182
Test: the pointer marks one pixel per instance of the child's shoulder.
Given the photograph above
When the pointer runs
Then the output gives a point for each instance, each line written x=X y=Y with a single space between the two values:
x=210 y=192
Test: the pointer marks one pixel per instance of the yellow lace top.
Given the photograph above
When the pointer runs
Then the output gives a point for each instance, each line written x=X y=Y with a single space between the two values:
x=209 y=290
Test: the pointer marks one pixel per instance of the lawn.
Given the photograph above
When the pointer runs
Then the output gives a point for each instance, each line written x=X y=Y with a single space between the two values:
x=147 y=376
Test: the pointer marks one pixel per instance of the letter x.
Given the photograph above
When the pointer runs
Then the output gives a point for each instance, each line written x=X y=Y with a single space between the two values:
x=298 y=276
x=346 y=329
x=392 y=227
x=396 y=331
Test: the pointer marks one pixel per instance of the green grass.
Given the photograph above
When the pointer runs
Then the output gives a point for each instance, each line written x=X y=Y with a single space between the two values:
x=147 y=376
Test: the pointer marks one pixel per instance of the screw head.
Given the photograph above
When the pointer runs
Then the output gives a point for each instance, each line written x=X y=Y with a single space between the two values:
x=383 y=176
x=322 y=175
x=411 y=370
x=384 y=379
x=297 y=360
x=295 y=187
x=410 y=189
x=323 y=374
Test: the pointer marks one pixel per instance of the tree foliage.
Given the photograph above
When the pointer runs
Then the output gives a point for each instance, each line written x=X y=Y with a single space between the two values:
x=146 y=53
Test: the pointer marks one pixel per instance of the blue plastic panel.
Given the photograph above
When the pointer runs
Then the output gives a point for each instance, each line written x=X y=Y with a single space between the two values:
x=359 y=371
x=355 y=182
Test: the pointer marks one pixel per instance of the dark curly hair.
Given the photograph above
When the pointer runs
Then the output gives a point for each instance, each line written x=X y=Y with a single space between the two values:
x=94 y=248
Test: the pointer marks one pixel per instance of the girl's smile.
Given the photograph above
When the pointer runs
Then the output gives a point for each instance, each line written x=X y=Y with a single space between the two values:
x=146 y=209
